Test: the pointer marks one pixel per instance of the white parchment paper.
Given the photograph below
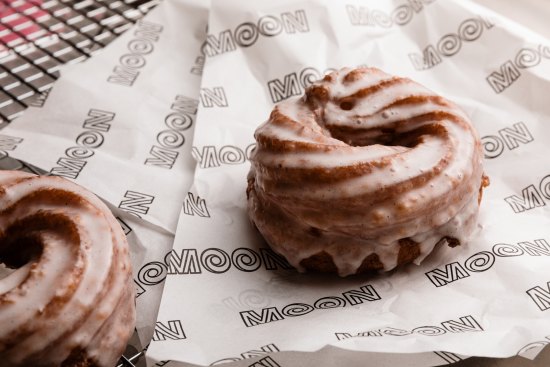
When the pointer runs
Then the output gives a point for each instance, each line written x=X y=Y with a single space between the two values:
x=229 y=298
x=120 y=124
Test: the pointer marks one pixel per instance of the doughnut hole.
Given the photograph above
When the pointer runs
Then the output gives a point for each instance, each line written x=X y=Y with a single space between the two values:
x=22 y=242
x=359 y=136
x=16 y=252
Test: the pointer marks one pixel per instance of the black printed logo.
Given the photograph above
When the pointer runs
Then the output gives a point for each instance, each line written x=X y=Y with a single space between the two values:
x=218 y=261
x=213 y=260
x=261 y=352
x=91 y=138
x=509 y=137
x=452 y=272
x=531 y=197
x=246 y=34
x=484 y=260
x=152 y=273
x=172 y=330
x=136 y=203
x=401 y=15
x=353 y=297
x=210 y=156
x=195 y=205
x=127 y=71
x=463 y=324
x=450 y=44
x=541 y=296
x=211 y=97
x=294 y=84
x=125 y=227
x=180 y=119
x=509 y=71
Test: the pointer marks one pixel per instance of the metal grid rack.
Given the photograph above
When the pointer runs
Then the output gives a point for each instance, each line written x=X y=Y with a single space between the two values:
x=37 y=37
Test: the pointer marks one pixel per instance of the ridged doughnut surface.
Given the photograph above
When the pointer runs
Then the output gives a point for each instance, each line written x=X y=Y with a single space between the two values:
x=70 y=301
x=367 y=171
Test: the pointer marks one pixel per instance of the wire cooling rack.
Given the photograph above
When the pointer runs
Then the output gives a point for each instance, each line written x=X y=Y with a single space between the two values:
x=37 y=37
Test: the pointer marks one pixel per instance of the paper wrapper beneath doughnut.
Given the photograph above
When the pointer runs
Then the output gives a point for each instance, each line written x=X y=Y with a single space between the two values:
x=200 y=318
x=489 y=297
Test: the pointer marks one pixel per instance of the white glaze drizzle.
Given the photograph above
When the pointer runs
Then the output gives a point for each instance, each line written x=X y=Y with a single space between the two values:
x=375 y=226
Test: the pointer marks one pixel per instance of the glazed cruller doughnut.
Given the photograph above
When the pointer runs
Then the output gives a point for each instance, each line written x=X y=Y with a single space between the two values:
x=366 y=172
x=70 y=299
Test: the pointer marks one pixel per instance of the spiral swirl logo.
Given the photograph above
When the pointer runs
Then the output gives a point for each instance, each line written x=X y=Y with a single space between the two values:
x=96 y=125
x=246 y=34
x=470 y=30
x=510 y=71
